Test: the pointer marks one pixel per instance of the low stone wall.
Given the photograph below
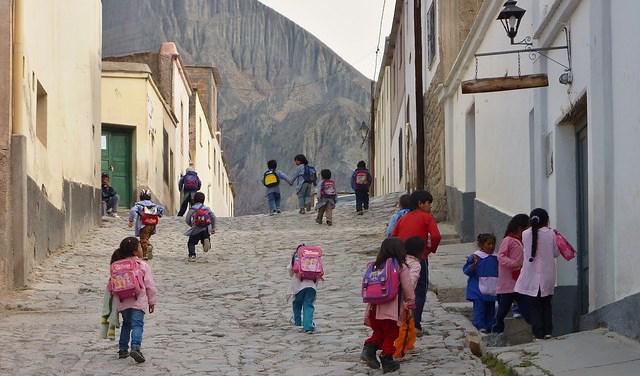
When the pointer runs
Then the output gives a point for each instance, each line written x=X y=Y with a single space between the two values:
x=621 y=317
x=460 y=209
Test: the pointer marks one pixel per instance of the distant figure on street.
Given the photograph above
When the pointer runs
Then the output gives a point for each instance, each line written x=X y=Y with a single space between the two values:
x=133 y=297
x=404 y=204
x=109 y=196
x=271 y=179
x=360 y=183
x=482 y=269
x=327 y=196
x=202 y=223
x=419 y=222
x=145 y=215
x=537 y=279
x=305 y=178
x=188 y=185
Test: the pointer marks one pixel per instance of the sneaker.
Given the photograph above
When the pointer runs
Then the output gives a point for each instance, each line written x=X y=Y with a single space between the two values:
x=302 y=211
x=137 y=356
x=319 y=221
x=308 y=331
x=192 y=258
x=483 y=331
x=114 y=215
x=360 y=212
x=206 y=245
x=122 y=354
x=418 y=332
x=517 y=315
x=278 y=211
x=548 y=336
x=329 y=223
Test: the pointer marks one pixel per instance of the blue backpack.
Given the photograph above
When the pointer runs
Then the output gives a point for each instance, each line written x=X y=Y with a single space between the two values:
x=310 y=175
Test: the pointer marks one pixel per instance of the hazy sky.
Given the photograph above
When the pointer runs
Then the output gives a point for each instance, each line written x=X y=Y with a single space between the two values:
x=349 y=27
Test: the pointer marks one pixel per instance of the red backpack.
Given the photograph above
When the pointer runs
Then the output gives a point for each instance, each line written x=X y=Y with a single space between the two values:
x=201 y=217
x=149 y=215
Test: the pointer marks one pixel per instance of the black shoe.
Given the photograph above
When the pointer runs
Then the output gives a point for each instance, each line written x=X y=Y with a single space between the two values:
x=329 y=223
x=302 y=211
x=360 y=212
x=319 y=221
x=122 y=354
x=137 y=356
x=368 y=356
x=388 y=364
x=278 y=211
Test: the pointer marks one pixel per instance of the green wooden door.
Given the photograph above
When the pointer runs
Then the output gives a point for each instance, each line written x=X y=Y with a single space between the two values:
x=116 y=161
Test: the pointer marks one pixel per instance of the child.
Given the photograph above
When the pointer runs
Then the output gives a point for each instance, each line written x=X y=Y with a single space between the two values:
x=510 y=261
x=327 y=196
x=482 y=269
x=304 y=292
x=132 y=309
x=271 y=180
x=407 y=337
x=203 y=224
x=188 y=185
x=305 y=178
x=403 y=208
x=419 y=222
x=145 y=214
x=537 y=278
x=360 y=182
x=384 y=318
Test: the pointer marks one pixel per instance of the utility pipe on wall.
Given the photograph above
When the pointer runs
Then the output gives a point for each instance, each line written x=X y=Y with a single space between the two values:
x=17 y=84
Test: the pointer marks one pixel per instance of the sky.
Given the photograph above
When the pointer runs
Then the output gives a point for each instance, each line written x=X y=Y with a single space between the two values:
x=349 y=27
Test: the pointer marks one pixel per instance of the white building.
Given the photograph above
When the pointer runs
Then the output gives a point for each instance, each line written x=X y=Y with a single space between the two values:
x=568 y=148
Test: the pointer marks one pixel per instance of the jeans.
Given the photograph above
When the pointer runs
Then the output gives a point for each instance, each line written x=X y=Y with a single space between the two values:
x=273 y=199
x=112 y=203
x=195 y=239
x=505 y=301
x=304 y=196
x=186 y=201
x=132 y=328
x=421 y=293
x=484 y=313
x=362 y=199
x=303 y=308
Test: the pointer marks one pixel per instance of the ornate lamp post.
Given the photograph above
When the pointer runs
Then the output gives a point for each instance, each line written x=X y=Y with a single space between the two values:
x=510 y=18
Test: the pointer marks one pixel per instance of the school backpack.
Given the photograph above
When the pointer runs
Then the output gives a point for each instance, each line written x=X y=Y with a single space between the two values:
x=126 y=278
x=310 y=175
x=328 y=189
x=566 y=249
x=270 y=179
x=190 y=182
x=201 y=217
x=306 y=263
x=381 y=285
x=149 y=215
x=362 y=179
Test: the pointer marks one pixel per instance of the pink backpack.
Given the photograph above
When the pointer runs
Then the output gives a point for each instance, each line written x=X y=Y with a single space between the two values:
x=328 y=189
x=381 y=285
x=566 y=249
x=126 y=278
x=307 y=263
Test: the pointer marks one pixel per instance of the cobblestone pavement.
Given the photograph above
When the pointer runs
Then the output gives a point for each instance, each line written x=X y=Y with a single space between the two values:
x=227 y=313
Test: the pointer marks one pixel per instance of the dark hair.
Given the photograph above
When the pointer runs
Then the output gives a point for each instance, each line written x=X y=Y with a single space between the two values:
x=362 y=164
x=414 y=246
x=419 y=197
x=272 y=164
x=198 y=197
x=485 y=237
x=539 y=218
x=145 y=195
x=104 y=175
x=116 y=256
x=405 y=201
x=391 y=248
x=325 y=174
x=127 y=247
x=517 y=223
x=301 y=158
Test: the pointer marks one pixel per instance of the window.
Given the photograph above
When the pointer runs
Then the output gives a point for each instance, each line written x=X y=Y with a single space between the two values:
x=400 y=158
x=431 y=33
x=165 y=155
x=407 y=116
x=41 y=114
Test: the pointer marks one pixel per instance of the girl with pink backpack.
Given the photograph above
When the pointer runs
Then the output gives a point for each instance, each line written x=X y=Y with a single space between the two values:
x=386 y=282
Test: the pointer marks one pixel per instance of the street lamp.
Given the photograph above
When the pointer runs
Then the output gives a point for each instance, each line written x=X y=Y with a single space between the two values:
x=364 y=132
x=510 y=18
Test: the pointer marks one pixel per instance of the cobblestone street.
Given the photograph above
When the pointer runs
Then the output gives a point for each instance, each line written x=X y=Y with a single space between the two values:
x=227 y=313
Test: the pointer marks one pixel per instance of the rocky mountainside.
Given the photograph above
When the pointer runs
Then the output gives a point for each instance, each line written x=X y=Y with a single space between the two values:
x=283 y=92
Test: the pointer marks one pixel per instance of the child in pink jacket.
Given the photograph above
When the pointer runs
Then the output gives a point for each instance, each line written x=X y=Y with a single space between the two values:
x=384 y=319
x=509 y=265
x=132 y=309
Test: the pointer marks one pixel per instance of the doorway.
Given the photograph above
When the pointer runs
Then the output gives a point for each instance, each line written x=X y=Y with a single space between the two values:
x=583 y=216
x=116 y=161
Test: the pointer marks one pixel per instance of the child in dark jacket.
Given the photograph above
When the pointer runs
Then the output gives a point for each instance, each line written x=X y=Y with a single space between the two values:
x=360 y=183
x=482 y=269
x=202 y=224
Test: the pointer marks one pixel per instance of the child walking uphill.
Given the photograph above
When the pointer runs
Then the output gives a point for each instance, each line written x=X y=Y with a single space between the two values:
x=482 y=269
x=537 y=278
x=386 y=286
x=327 y=196
x=360 y=183
x=510 y=255
x=202 y=224
x=305 y=178
x=404 y=203
x=271 y=180
x=145 y=214
x=132 y=282
x=407 y=338
x=305 y=270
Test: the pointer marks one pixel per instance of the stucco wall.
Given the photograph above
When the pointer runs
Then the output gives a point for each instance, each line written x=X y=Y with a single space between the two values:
x=6 y=26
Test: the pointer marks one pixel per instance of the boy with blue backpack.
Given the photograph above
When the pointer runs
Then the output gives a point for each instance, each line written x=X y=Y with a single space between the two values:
x=305 y=178
x=360 y=183
x=202 y=224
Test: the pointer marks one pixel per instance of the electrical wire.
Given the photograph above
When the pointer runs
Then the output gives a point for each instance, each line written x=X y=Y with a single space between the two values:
x=375 y=65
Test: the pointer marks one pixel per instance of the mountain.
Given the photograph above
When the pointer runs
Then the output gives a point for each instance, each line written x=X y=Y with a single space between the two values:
x=283 y=91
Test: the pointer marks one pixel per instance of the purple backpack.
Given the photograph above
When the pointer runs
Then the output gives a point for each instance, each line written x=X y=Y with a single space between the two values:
x=381 y=285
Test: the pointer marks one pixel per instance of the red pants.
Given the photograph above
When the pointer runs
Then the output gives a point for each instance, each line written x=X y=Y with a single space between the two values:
x=384 y=334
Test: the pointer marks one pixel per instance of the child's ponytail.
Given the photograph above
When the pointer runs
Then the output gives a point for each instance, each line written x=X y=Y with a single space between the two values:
x=539 y=218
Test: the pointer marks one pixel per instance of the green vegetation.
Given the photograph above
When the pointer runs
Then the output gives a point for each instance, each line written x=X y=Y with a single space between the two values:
x=497 y=367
